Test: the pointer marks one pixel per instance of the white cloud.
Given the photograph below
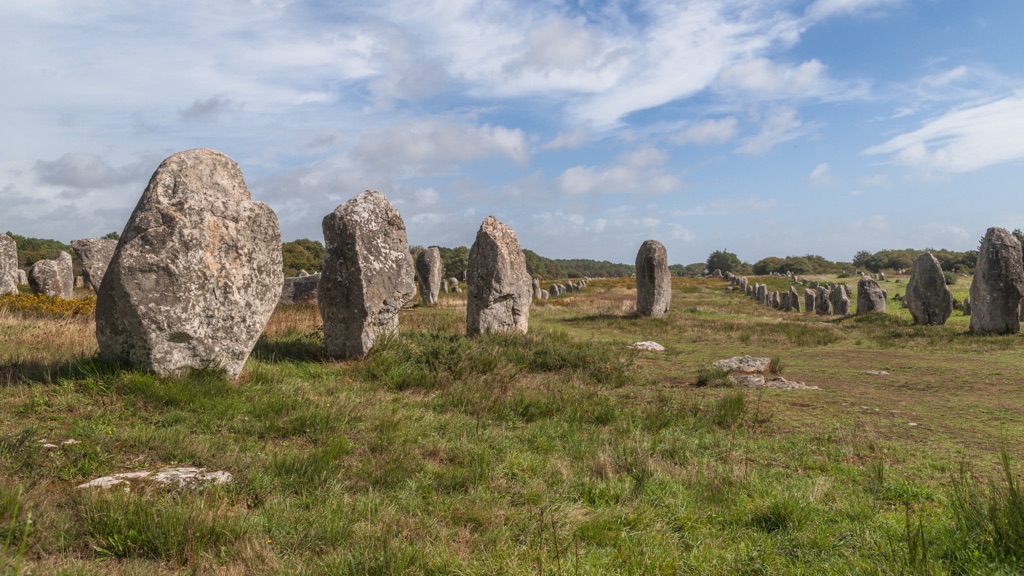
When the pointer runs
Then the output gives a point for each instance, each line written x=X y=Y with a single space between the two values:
x=572 y=139
x=876 y=181
x=821 y=9
x=726 y=207
x=429 y=146
x=779 y=125
x=963 y=140
x=705 y=132
x=768 y=80
x=875 y=223
x=680 y=233
x=638 y=172
x=821 y=175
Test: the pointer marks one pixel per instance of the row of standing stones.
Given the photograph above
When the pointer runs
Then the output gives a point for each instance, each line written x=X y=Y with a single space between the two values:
x=197 y=273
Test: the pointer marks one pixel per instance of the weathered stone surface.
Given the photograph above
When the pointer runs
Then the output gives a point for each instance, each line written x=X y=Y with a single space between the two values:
x=53 y=277
x=648 y=346
x=822 y=304
x=554 y=290
x=197 y=272
x=653 y=280
x=544 y=295
x=22 y=277
x=809 y=298
x=367 y=277
x=180 y=477
x=998 y=284
x=744 y=364
x=870 y=296
x=95 y=254
x=762 y=293
x=774 y=300
x=8 y=265
x=839 y=300
x=928 y=298
x=967 y=306
x=499 y=287
x=300 y=289
x=429 y=272
x=794 y=299
x=536 y=288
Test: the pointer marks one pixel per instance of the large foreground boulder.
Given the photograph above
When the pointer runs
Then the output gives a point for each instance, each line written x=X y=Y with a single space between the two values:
x=653 y=280
x=8 y=265
x=197 y=272
x=367 y=277
x=928 y=298
x=500 y=290
x=54 y=278
x=870 y=296
x=998 y=284
x=95 y=254
x=429 y=271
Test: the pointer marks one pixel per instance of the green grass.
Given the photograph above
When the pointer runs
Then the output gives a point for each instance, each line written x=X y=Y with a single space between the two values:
x=560 y=451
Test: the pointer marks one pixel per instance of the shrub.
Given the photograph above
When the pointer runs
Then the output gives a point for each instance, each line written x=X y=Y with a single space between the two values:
x=950 y=277
x=41 y=305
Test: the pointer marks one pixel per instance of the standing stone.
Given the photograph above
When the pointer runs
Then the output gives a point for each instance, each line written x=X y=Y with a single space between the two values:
x=536 y=288
x=839 y=300
x=499 y=286
x=794 y=299
x=429 y=271
x=928 y=297
x=367 y=277
x=300 y=289
x=95 y=254
x=967 y=306
x=22 y=277
x=870 y=296
x=881 y=277
x=653 y=280
x=810 y=296
x=553 y=290
x=544 y=295
x=54 y=278
x=762 y=293
x=717 y=273
x=822 y=304
x=8 y=265
x=774 y=300
x=196 y=274
x=998 y=284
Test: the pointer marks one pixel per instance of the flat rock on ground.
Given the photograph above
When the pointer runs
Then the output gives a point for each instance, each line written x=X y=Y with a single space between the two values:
x=180 y=477
x=647 y=346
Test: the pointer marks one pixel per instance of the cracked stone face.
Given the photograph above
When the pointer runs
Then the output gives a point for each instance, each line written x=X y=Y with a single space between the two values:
x=367 y=277
x=500 y=290
x=95 y=254
x=196 y=274
x=53 y=277
x=429 y=271
x=998 y=284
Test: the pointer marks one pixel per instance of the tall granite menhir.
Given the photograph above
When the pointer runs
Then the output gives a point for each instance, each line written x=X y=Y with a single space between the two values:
x=196 y=274
x=8 y=265
x=500 y=290
x=928 y=298
x=367 y=277
x=998 y=284
x=429 y=271
x=653 y=280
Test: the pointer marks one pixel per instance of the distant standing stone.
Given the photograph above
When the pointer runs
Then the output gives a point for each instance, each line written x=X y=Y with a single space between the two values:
x=95 y=254
x=967 y=306
x=500 y=289
x=54 y=278
x=794 y=299
x=870 y=296
x=367 y=277
x=22 y=277
x=822 y=305
x=429 y=271
x=998 y=284
x=536 y=288
x=300 y=289
x=8 y=265
x=928 y=298
x=653 y=280
x=809 y=298
x=840 y=302
x=196 y=274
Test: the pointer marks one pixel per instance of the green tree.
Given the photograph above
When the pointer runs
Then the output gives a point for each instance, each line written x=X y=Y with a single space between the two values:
x=302 y=254
x=112 y=236
x=724 y=261
x=32 y=250
x=455 y=260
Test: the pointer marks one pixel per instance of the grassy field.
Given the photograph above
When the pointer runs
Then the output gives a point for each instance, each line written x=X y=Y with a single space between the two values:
x=560 y=452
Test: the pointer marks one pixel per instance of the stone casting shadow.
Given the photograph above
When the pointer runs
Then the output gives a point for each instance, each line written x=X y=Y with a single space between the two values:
x=302 y=349
x=20 y=373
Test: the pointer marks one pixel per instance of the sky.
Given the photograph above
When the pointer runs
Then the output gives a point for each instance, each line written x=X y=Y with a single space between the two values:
x=761 y=127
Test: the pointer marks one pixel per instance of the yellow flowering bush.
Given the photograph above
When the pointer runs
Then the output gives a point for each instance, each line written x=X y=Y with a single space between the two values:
x=41 y=305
